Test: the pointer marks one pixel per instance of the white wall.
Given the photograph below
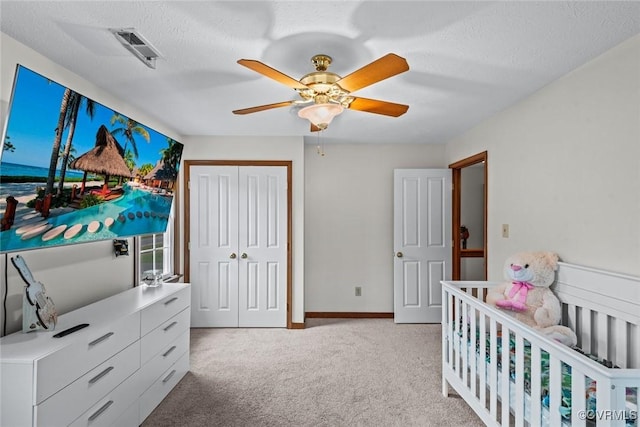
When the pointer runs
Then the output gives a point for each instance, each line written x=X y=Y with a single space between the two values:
x=349 y=222
x=564 y=167
x=261 y=148
x=73 y=275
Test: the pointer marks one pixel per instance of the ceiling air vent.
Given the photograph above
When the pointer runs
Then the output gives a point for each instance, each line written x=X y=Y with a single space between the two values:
x=137 y=45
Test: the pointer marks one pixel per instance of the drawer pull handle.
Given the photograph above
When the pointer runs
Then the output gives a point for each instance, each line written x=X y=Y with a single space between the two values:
x=170 y=326
x=101 y=410
x=171 y=300
x=169 y=376
x=100 y=375
x=99 y=340
x=169 y=351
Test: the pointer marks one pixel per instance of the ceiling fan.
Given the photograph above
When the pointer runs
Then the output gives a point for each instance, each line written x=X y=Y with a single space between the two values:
x=329 y=94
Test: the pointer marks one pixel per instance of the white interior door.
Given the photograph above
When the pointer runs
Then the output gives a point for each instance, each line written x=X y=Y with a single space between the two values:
x=213 y=196
x=238 y=246
x=422 y=243
x=263 y=246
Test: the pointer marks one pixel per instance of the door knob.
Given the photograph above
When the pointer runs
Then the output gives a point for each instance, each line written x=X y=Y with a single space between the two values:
x=399 y=254
x=232 y=256
x=243 y=256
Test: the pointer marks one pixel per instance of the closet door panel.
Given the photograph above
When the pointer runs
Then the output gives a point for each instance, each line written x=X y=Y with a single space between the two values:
x=214 y=245
x=263 y=209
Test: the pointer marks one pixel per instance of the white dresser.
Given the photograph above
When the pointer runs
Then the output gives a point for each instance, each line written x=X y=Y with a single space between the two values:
x=113 y=372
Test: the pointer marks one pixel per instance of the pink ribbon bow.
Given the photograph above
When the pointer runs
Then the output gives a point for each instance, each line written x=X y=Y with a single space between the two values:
x=517 y=286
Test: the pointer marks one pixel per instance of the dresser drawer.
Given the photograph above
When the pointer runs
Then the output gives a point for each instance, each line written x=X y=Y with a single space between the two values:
x=159 y=390
x=99 y=343
x=157 y=339
x=163 y=310
x=69 y=403
x=110 y=408
x=130 y=418
x=167 y=356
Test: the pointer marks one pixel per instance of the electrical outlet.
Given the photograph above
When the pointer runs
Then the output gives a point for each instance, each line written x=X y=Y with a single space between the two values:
x=505 y=230
x=358 y=291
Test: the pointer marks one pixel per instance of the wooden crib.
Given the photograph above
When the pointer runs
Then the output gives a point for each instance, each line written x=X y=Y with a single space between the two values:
x=539 y=381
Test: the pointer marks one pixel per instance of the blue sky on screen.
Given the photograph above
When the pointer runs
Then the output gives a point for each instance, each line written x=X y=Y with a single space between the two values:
x=33 y=117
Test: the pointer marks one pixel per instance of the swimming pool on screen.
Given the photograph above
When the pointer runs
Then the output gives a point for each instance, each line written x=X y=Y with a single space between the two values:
x=138 y=211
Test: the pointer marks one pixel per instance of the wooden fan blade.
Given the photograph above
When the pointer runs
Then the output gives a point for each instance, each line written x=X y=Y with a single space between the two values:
x=262 y=107
x=272 y=73
x=378 y=107
x=315 y=128
x=380 y=69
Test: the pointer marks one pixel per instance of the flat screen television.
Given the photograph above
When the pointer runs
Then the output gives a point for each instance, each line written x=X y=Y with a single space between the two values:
x=73 y=170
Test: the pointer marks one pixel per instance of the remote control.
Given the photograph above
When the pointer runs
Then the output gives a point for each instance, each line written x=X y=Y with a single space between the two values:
x=70 y=330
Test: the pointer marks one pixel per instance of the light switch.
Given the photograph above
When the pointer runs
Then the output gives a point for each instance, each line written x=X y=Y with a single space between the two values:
x=505 y=230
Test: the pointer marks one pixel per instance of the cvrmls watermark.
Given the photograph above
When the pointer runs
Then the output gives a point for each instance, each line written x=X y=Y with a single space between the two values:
x=608 y=415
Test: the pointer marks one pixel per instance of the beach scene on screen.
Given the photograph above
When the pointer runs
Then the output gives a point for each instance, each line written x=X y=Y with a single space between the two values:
x=73 y=170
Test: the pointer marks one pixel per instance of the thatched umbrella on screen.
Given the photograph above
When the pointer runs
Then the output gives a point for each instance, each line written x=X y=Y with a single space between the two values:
x=106 y=158
x=161 y=172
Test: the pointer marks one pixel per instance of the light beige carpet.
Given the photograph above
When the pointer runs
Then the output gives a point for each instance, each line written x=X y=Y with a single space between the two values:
x=336 y=372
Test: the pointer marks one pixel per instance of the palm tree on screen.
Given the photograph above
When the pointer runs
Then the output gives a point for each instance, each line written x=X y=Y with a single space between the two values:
x=129 y=129
x=8 y=145
x=75 y=102
x=171 y=156
x=129 y=160
x=55 y=149
x=145 y=169
x=71 y=158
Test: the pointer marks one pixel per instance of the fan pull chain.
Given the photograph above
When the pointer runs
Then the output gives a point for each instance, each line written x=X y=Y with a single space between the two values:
x=320 y=146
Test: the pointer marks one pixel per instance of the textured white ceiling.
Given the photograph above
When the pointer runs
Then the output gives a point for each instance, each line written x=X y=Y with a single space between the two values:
x=468 y=60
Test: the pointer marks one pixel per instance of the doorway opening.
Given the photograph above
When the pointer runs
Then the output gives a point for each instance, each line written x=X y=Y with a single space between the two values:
x=469 y=217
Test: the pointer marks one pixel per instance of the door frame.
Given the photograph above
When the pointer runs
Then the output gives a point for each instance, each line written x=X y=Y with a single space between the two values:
x=456 y=176
x=187 y=226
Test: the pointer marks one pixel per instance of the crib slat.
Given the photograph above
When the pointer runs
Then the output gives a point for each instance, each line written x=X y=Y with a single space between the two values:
x=634 y=353
x=493 y=369
x=472 y=351
x=578 y=403
x=519 y=402
x=456 y=360
x=504 y=386
x=602 y=347
x=585 y=330
x=450 y=325
x=603 y=401
x=555 y=390
x=536 y=404
x=482 y=358
x=620 y=337
x=446 y=331
x=465 y=340
x=572 y=313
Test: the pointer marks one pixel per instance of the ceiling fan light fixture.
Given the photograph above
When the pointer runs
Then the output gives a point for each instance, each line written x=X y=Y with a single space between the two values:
x=321 y=115
x=330 y=93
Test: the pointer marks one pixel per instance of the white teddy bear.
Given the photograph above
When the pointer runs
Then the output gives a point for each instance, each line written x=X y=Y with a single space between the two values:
x=527 y=294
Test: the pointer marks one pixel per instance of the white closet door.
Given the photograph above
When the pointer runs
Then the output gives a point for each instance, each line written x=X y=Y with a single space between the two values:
x=263 y=246
x=422 y=243
x=238 y=241
x=214 y=245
